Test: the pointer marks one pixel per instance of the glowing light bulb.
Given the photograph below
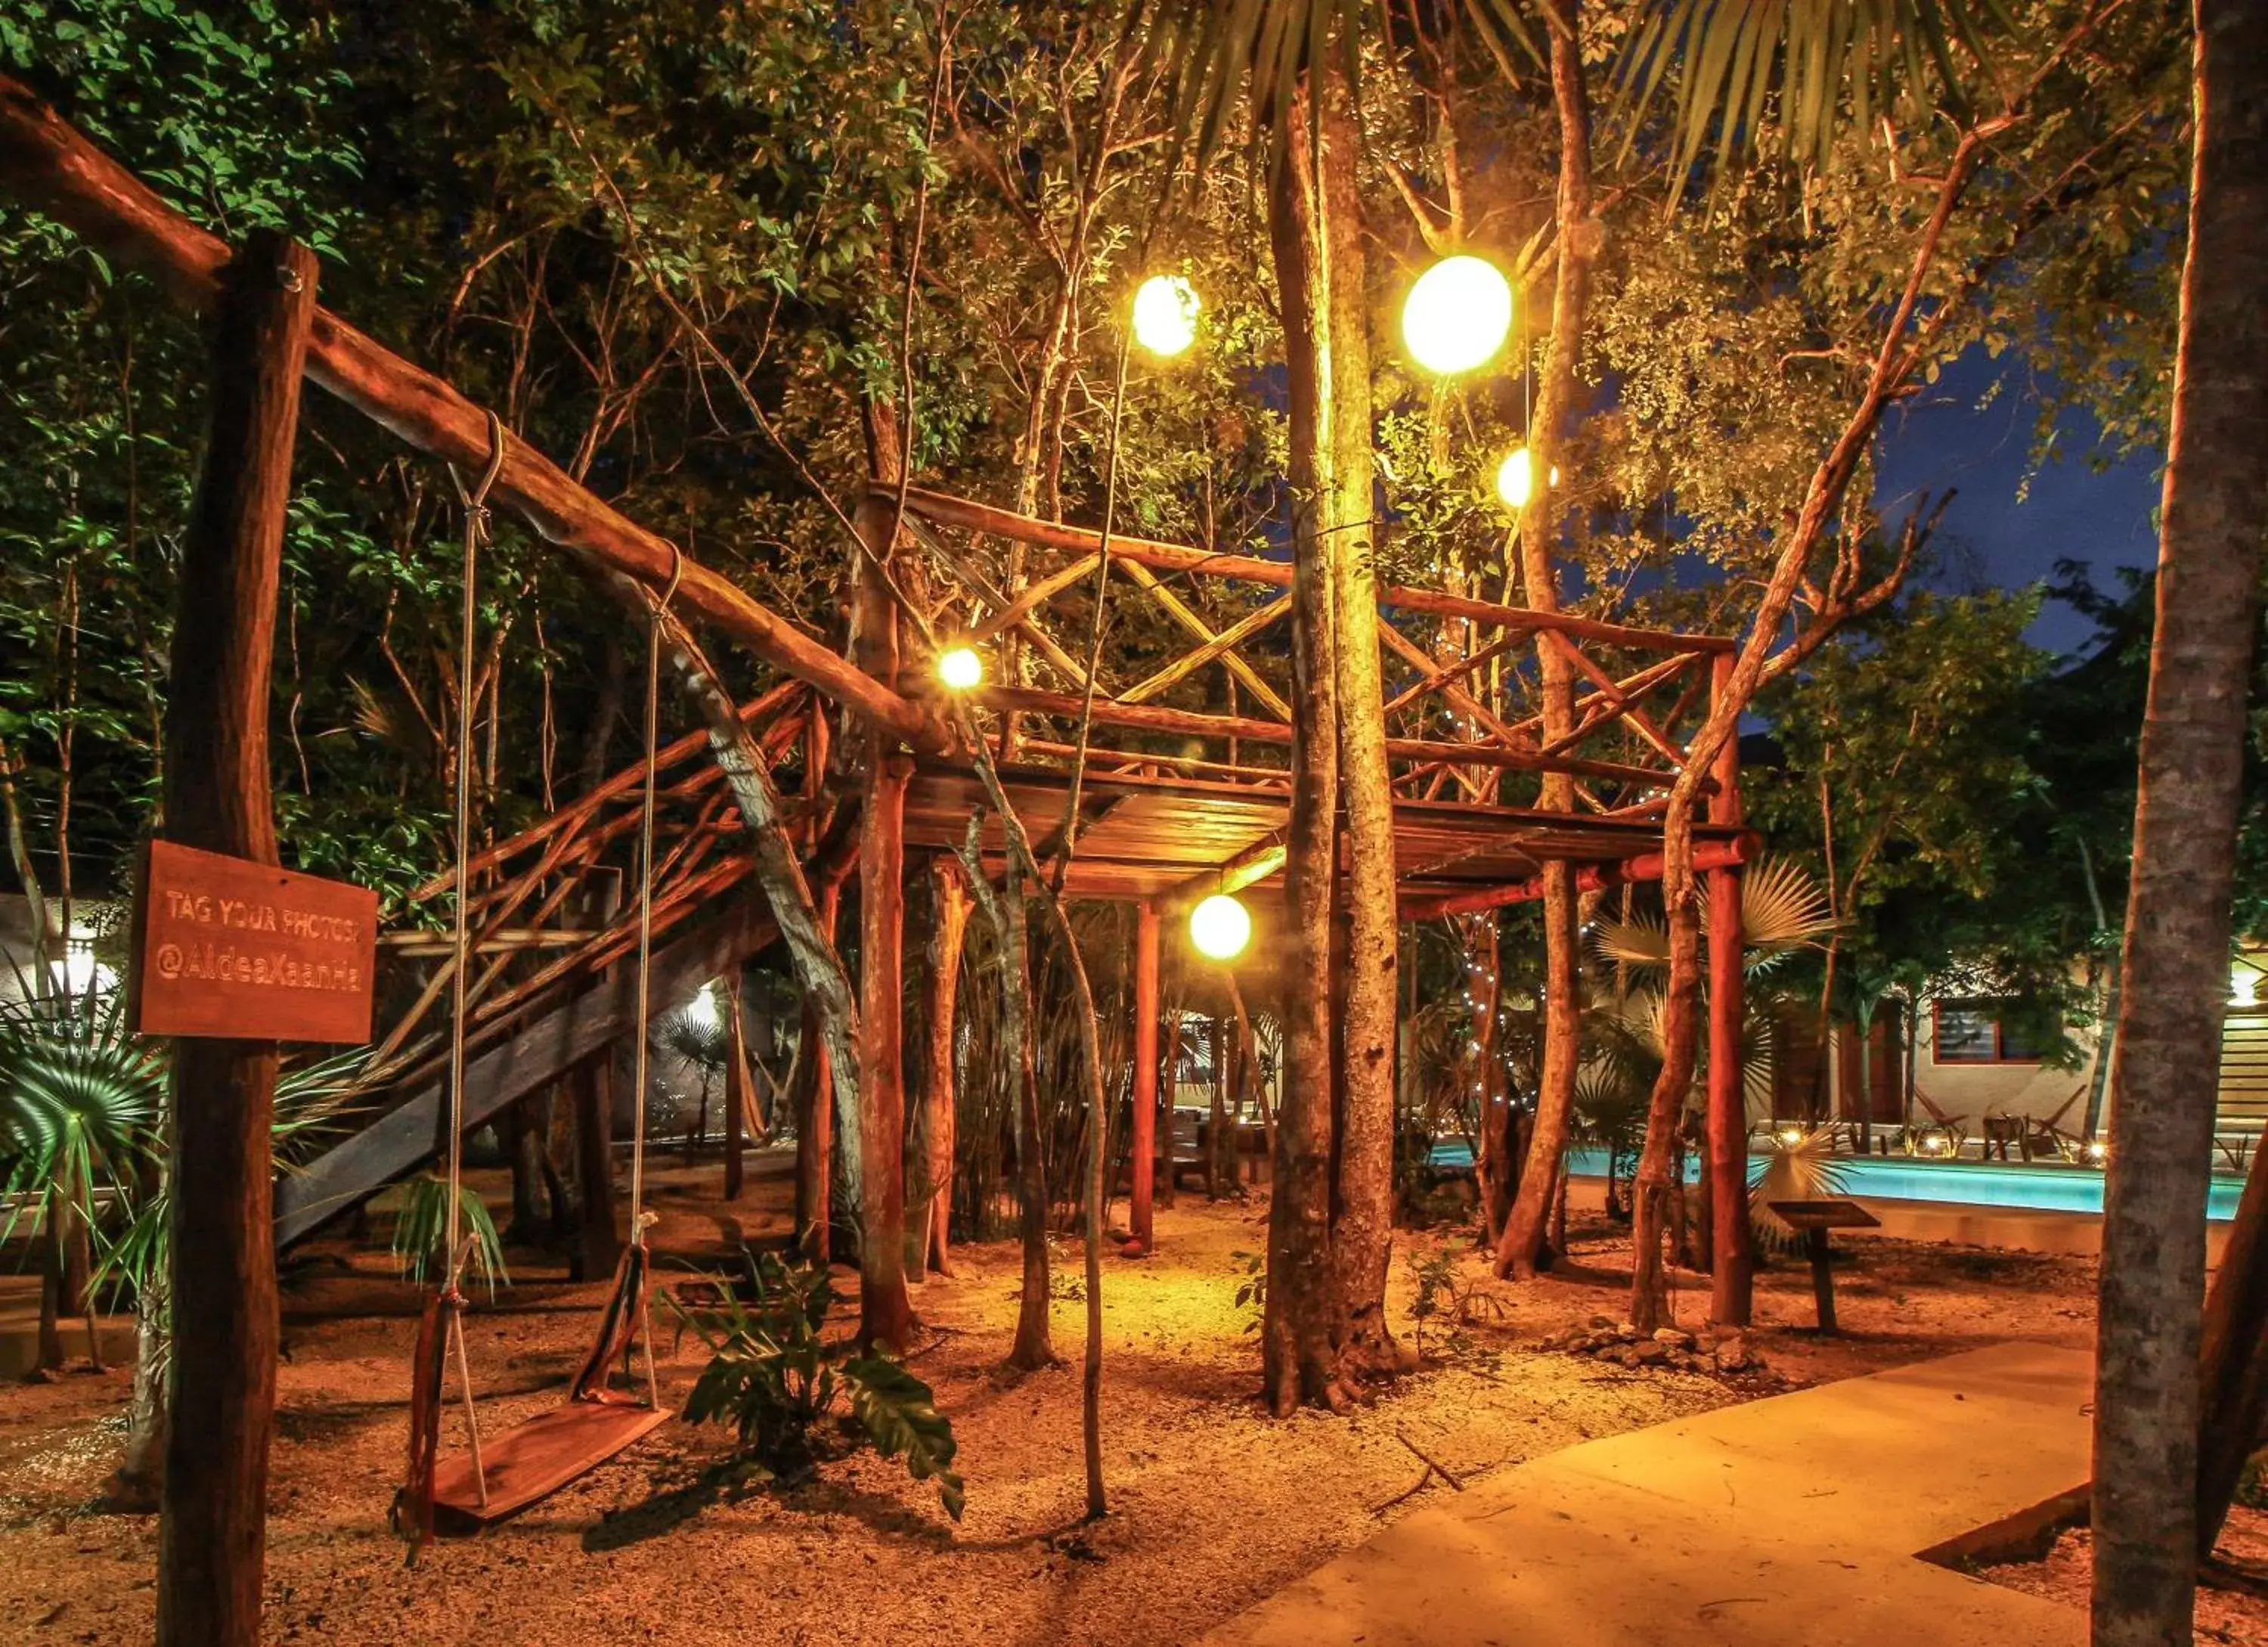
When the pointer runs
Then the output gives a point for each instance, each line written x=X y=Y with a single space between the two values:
x=1515 y=478
x=1165 y=314
x=702 y=1009
x=1457 y=314
x=1220 y=927
x=1791 y=1136
x=960 y=667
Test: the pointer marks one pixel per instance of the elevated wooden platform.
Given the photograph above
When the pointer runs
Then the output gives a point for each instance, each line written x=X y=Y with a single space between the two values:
x=1143 y=837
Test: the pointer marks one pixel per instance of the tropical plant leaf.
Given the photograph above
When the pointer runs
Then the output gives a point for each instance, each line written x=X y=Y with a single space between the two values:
x=1803 y=1168
x=421 y=1232
x=900 y=1416
x=1783 y=908
x=1823 y=62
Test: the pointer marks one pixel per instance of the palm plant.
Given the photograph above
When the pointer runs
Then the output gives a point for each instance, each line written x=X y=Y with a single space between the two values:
x=78 y=1098
x=696 y=1040
x=421 y=1233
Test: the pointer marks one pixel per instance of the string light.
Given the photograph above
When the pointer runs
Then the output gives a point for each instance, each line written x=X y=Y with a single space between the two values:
x=1165 y=314
x=960 y=667
x=1457 y=314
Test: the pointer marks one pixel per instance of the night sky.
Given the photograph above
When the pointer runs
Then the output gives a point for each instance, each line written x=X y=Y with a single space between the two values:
x=2106 y=517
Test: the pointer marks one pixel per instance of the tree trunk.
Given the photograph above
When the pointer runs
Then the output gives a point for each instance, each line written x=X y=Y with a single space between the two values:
x=939 y=1096
x=1732 y=1256
x=1142 y=1152
x=1362 y=1228
x=885 y=1312
x=1032 y=1348
x=1520 y=1249
x=2234 y=1414
x=212 y=1535
x=1650 y=1187
x=2166 y=1065
x=1303 y=1323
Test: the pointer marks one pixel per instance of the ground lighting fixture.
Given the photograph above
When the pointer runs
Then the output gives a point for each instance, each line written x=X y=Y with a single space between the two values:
x=1457 y=314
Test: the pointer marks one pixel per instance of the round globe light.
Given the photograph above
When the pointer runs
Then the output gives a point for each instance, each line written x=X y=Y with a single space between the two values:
x=1515 y=478
x=1457 y=314
x=1220 y=927
x=960 y=667
x=1165 y=314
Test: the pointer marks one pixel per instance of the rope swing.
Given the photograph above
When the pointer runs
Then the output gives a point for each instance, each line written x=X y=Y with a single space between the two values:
x=536 y=1457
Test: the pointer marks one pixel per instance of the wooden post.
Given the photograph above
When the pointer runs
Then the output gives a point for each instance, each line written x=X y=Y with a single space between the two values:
x=1822 y=1278
x=736 y=1089
x=951 y=896
x=598 y=1245
x=1141 y=1224
x=885 y=1312
x=212 y=1535
x=590 y=1085
x=1733 y=1262
x=1219 y=1120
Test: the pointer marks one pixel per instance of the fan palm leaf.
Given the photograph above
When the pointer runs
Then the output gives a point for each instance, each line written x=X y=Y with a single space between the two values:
x=1810 y=65
x=78 y=1096
x=1802 y=1169
x=1783 y=908
x=1814 y=62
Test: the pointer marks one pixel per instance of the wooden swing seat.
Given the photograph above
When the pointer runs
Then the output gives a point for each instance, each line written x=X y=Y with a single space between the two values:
x=534 y=1459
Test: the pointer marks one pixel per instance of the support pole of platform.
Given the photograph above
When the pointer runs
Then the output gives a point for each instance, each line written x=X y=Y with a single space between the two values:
x=1732 y=1280
x=885 y=1311
x=940 y=1000
x=212 y=1529
x=1139 y=1218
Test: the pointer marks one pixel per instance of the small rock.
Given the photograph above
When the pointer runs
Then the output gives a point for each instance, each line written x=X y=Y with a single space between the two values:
x=1598 y=1321
x=1671 y=1336
x=1650 y=1355
x=1732 y=1355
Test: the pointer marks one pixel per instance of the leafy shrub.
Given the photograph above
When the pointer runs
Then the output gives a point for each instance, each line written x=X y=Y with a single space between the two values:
x=792 y=1397
x=1252 y=1291
x=421 y=1228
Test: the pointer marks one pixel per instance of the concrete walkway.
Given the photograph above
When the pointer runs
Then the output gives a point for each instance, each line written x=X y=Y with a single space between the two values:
x=1791 y=1522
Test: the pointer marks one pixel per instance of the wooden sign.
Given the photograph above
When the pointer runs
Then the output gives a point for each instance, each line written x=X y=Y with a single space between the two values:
x=226 y=946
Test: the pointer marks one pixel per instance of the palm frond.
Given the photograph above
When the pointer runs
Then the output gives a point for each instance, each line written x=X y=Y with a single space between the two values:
x=1819 y=63
x=1641 y=940
x=1801 y=1167
x=1211 y=53
x=421 y=1233
x=1782 y=908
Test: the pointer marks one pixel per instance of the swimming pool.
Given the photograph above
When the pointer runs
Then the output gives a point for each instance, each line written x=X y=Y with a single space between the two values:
x=2044 y=1187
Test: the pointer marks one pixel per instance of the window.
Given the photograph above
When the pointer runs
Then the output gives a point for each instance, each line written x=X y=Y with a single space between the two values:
x=1970 y=1032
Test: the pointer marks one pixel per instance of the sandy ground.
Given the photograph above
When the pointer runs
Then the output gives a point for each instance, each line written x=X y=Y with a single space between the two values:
x=2068 y=1569
x=1213 y=1504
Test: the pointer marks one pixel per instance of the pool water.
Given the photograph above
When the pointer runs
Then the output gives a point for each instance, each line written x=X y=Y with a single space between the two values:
x=2044 y=1187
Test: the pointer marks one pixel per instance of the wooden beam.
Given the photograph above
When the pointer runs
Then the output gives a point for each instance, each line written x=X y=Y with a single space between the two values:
x=1189 y=662
x=1190 y=723
x=979 y=517
x=1708 y=854
x=1179 y=611
x=1255 y=864
x=49 y=165
x=578 y=1030
x=212 y=1541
